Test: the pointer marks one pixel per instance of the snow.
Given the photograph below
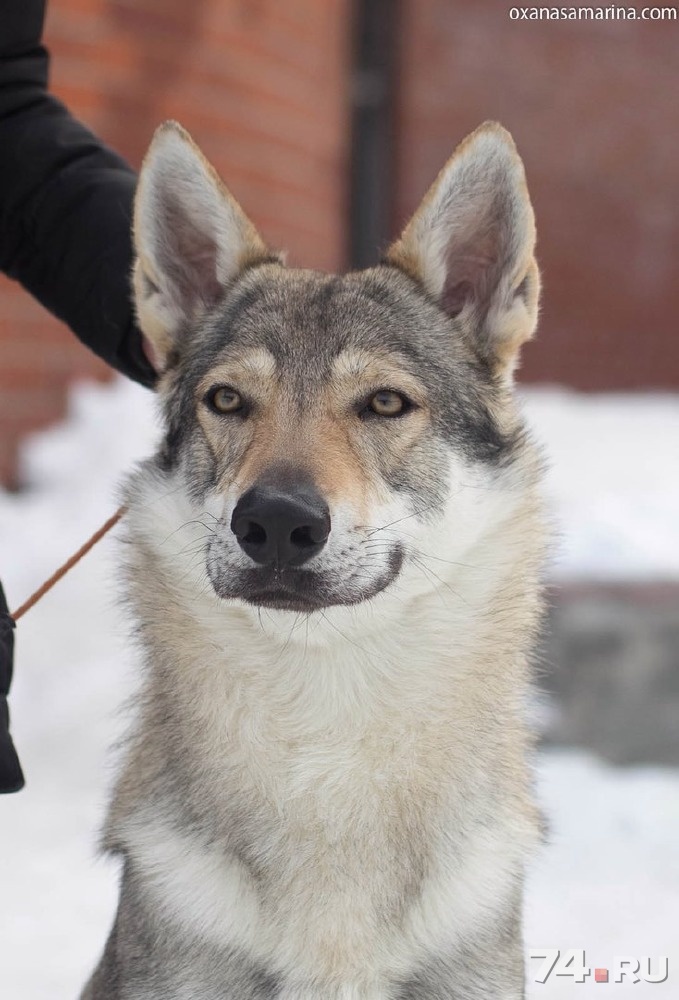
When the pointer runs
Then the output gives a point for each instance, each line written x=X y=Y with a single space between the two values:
x=613 y=478
x=608 y=880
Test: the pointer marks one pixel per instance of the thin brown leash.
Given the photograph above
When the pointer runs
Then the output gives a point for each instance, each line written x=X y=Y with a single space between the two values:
x=68 y=565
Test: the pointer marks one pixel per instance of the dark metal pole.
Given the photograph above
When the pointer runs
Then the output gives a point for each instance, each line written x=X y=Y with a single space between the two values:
x=375 y=35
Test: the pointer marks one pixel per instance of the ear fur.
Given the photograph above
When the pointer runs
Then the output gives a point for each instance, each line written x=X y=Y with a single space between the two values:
x=191 y=239
x=471 y=244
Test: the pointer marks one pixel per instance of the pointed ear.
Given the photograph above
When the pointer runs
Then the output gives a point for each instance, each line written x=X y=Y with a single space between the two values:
x=191 y=239
x=471 y=245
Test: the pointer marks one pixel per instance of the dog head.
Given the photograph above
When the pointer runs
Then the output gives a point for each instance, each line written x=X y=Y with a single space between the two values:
x=332 y=434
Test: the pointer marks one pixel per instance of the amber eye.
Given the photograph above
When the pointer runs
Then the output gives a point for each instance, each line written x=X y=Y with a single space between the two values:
x=387 y=403
x=224 y=400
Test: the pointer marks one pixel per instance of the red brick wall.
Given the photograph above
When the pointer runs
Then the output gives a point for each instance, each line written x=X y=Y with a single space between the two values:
x=262 y=87
x=593 y=108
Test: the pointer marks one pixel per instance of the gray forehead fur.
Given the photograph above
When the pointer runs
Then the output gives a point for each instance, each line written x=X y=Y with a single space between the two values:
x=306 y=318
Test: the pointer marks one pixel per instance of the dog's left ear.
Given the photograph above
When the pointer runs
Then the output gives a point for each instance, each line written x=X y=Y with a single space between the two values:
x=471 y=245
x=191 y=240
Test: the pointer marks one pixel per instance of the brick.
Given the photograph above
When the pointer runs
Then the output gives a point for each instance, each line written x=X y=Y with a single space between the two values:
x=601 y=167
x=8 y=461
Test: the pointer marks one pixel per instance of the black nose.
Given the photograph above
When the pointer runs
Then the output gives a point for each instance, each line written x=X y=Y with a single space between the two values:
x=280 y=529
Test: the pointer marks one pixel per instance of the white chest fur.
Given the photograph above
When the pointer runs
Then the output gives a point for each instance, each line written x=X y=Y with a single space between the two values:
x=366 y=846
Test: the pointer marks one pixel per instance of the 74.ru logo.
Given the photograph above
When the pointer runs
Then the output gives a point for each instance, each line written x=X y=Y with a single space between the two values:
x=572 y=964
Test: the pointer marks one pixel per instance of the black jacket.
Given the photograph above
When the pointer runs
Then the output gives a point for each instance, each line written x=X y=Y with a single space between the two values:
x=65 y=202
x=65 y=215
x=11 y=776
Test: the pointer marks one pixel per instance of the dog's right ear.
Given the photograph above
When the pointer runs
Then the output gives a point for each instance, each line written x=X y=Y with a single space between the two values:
x=191 y=239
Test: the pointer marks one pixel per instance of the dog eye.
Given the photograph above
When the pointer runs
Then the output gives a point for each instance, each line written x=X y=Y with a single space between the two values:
x=387 y=403
x=223 y=399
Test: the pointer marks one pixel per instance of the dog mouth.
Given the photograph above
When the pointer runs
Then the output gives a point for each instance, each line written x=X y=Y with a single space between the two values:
x=303 y=590
x=283 y=598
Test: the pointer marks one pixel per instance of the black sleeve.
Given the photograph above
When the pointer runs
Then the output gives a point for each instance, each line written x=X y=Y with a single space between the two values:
x=11 y=776
x=65 y=203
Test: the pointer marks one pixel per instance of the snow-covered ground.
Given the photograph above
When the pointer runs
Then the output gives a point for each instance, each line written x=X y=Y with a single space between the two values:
x=614 y=480
x=608 y=881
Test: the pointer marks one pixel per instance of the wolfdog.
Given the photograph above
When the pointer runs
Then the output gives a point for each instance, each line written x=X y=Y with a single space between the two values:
x=333 y=562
